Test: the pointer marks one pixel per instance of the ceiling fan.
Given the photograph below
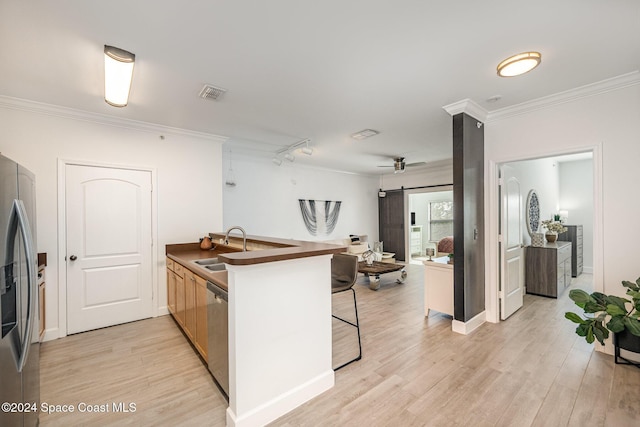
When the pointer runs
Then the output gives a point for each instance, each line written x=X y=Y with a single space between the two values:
x=399 y=165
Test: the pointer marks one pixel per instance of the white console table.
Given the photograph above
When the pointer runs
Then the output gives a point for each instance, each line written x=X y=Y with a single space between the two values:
x=438 y=286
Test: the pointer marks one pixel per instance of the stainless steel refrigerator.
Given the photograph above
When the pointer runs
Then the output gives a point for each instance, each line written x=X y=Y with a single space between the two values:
x=19 y=346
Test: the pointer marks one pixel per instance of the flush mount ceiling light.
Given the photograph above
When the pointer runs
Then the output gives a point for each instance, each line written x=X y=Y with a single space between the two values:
x=118 y=73
x=366 y=133
x=519 y=64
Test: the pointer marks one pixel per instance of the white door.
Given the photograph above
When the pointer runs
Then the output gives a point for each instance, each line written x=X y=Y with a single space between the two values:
x=511 y=253
x=108 y=236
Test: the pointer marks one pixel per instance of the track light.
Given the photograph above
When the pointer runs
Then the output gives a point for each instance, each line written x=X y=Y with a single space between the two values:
x=118 y=74
x=276 y=161
x=287 y=152
x=307 y=150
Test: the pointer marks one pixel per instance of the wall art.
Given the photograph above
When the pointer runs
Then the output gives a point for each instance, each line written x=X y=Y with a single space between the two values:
x=320 y=216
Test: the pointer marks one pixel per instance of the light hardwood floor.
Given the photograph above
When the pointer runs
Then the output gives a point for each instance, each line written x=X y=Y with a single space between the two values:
x=531 y=370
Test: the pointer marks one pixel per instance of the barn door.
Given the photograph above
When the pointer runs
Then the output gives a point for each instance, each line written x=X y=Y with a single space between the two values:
x=391 y=222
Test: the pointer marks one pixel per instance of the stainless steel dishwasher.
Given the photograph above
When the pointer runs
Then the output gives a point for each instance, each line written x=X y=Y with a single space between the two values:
x=218 y=334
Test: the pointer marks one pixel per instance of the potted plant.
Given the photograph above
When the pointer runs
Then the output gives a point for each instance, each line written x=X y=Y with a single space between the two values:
x=622 y=317
x=553 y=229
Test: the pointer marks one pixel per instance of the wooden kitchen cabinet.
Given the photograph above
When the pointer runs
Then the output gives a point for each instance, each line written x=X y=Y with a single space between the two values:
x=180 y=300
x=190 y=304
x=202 y=329
x=187 y=303
x=171 y=288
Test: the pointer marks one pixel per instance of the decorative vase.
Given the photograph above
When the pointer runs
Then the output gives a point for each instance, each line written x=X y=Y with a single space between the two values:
x=551 y=237
x=537 y=239
x=206 y=244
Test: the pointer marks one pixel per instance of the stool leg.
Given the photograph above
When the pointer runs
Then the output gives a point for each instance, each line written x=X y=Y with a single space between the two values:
x=357 y=326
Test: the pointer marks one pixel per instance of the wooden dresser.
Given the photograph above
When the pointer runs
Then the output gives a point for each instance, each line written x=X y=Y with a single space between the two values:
x=548 y=269
x=574 y=235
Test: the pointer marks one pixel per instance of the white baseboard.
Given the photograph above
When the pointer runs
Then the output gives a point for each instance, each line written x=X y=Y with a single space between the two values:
x=51 y=334
x=466 y=328
x=588 y=270
x=282 y=404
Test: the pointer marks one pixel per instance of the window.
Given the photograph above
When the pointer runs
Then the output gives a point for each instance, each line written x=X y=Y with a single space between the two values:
x=440 y=220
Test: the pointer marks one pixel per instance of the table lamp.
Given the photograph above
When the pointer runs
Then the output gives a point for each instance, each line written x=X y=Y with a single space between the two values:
x=430 y=252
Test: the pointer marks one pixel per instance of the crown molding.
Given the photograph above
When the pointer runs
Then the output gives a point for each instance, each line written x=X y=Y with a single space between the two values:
x=103 y=119
x=469 y=107
x=608 y=85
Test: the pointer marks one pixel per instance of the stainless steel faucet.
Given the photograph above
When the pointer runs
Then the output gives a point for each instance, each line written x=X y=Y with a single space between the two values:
x=244 y=236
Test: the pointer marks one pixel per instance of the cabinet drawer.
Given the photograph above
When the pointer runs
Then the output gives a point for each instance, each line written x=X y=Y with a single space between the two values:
x=170 y=264
x=178 y=269
x=564 y=253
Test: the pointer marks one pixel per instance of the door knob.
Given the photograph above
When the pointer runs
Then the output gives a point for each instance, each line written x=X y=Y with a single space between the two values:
x=73 y=257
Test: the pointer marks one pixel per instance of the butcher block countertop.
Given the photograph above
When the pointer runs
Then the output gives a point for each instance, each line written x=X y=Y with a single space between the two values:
x=259 y=250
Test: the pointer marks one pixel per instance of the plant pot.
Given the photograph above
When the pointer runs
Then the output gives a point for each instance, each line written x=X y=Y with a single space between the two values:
x=627 y=341
x=551 y=237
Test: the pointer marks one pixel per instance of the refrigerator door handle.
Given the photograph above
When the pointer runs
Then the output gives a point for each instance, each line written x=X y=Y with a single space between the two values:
x=19 y=218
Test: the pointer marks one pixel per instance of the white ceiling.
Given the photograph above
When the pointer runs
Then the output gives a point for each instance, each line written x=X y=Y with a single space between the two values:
x=296 y=69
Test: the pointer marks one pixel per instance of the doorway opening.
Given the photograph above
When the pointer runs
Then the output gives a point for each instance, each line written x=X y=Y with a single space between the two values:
x=429 y=219
x=567 y=191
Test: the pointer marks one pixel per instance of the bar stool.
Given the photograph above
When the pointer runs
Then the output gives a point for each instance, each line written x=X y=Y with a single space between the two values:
x=344 y=272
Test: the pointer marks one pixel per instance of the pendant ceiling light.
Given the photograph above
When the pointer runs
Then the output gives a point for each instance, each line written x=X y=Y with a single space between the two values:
x=118 y=73
x=519 y=64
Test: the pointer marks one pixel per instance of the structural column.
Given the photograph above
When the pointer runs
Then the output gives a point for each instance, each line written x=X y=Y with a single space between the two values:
x=468 y=219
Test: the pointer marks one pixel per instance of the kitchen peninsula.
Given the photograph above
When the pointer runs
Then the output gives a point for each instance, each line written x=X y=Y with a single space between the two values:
x=279 y=319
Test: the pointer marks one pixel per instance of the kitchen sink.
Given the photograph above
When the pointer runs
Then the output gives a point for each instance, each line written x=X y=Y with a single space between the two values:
x=216 y=267
x=207 y=261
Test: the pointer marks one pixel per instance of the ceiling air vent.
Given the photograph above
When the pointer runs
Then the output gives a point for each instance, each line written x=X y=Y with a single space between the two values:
x=366 y=133
x=211 y=92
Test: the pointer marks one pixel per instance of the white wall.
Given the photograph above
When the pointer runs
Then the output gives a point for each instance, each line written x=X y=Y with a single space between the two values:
x=540 y=175
x=606 y=123
x=265 y=199
x=576 y=197
x=189 y=193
